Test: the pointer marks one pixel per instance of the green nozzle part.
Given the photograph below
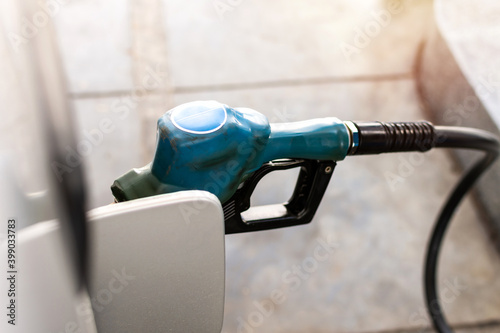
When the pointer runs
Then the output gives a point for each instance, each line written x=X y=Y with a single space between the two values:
x=138 y=183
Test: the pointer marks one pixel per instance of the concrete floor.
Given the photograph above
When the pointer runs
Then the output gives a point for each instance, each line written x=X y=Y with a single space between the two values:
x=288 y=60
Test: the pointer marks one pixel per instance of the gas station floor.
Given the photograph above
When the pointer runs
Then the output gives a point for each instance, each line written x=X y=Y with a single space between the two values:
x=291 y=60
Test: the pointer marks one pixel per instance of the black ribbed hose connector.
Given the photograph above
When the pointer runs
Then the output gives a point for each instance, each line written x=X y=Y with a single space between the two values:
x=387 y=137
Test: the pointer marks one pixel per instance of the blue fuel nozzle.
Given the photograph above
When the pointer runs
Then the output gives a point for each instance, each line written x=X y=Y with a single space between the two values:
x=210 y=146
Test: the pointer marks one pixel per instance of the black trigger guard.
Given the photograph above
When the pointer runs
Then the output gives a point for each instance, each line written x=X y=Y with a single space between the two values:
x=312 y=182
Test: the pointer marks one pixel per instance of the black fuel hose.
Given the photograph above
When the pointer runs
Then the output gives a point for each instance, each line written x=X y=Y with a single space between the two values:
x=381 y=137
x=453 y=137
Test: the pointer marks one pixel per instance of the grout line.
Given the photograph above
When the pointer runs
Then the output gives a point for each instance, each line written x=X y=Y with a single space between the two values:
x=149 y=54
x=428 y=329
x=106 y=94
x=296 y=82
x=254 y=85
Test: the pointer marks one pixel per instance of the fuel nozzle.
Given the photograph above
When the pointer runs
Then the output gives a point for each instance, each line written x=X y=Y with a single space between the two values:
x=210 y=146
